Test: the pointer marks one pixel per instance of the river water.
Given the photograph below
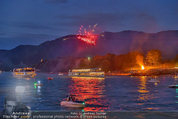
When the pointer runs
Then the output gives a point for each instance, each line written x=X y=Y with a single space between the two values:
x=116 y=93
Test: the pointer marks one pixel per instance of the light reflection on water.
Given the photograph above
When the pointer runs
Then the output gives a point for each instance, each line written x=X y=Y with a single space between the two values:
x=144 y=93
x=90 y=90
x=142 y=89
x=118 y=93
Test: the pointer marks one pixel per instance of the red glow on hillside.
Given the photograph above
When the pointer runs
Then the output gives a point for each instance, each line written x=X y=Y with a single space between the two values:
x=87 y=35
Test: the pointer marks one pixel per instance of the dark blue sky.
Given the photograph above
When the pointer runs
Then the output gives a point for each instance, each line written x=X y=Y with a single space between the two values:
x=35 y=21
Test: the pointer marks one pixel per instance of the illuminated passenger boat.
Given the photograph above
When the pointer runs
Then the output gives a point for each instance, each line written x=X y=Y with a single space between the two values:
x=94 y=72
x=24 y=72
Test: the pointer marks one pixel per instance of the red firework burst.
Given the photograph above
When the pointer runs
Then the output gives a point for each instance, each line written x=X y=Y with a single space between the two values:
x=87 y=35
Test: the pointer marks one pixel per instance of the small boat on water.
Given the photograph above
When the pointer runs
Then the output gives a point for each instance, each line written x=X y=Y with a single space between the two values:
x=153 y=80
x=173 y=86
x=60 y=74
x=38 y=83
x=78 y=104
x=71 y=102
x=50 y=78
x=93 y=72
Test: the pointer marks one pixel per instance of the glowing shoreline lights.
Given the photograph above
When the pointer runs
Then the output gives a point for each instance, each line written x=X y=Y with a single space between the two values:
x=87 y=35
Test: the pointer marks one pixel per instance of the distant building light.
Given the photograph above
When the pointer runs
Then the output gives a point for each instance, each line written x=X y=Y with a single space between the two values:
x=89 y=58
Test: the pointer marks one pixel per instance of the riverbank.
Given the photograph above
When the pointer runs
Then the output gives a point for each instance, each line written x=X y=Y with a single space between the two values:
x=156 y=72
x=150 y=72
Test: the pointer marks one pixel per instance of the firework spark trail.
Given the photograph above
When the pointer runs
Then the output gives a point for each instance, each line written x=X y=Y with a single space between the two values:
x=87 y=35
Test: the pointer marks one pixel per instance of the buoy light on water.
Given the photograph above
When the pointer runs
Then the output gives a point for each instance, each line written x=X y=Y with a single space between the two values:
x=35 y=85
x=50 y=78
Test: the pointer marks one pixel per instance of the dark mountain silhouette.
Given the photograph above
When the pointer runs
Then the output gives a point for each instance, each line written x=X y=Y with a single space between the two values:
x=108 y=42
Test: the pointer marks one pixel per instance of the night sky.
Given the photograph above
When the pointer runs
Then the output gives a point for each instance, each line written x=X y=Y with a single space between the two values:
x=36 y=21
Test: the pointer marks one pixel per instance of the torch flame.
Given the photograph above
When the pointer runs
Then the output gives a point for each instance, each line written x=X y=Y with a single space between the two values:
x=142 y=67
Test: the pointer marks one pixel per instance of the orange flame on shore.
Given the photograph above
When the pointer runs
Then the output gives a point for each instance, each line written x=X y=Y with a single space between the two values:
x=142 y=67
x=87 y=35
x=139 y=60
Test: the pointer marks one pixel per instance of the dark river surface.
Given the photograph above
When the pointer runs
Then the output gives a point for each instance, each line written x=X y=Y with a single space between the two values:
x=116 y=93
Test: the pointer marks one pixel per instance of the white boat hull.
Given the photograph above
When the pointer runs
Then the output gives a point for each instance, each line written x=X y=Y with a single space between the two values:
x=173 y=86
x=72 y=104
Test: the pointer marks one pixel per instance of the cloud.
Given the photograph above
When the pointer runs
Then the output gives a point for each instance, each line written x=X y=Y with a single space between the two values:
x=28 y=25
x=33 y=36
x=117 y=21
x=2 y=34
x=146 y=22
x=33 y=26
x=102 y=19
x=26 y=35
